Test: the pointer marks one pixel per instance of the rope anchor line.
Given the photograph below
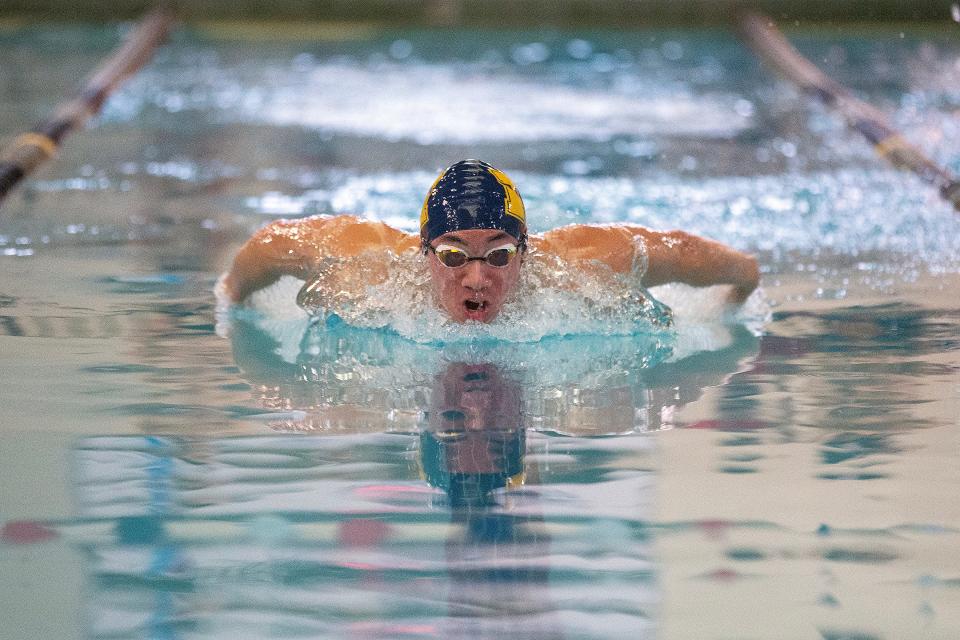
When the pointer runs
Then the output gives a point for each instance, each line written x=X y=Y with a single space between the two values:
x=760 y=33
x=31 y=149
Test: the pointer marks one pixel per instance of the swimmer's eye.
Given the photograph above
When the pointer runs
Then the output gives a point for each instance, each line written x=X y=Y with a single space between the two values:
x=500 y=257
x=454 y=257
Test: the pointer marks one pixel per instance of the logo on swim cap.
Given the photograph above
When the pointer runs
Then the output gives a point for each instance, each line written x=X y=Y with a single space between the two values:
x=472 y=195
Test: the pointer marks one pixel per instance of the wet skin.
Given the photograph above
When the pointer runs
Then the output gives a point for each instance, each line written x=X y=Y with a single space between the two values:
x=477 y=290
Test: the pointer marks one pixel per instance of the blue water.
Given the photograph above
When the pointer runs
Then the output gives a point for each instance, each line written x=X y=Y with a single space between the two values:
x=788 y=471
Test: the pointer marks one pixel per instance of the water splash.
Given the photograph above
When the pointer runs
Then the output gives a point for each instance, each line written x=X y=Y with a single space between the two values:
x=552 y=298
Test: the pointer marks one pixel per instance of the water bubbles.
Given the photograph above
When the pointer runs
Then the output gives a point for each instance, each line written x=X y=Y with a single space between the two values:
x=303 y=62
x=637 y=148
x=173 y=102
x=182 y=169
x=274 y=203
x=788 y=149
x=955 y=12
x=18 y=253
x=579 y=49
x=553 y=298
x=532 y=53
x=743 y=108
x=582 y=167
x=400 y=49
x=740 y=206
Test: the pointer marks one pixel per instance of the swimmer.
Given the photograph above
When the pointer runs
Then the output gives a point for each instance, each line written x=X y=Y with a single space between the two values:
x=473 y=235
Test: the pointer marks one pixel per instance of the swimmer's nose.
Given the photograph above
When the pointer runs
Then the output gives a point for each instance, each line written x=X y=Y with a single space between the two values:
x=475 y=276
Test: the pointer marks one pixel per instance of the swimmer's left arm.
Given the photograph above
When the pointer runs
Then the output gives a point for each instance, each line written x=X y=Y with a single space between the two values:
x=677 y=256
x=671 y=256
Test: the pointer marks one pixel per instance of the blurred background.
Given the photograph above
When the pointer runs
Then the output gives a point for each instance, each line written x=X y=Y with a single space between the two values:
x=793 y=477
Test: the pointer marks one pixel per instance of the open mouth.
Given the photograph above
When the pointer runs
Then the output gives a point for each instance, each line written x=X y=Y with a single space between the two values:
x=475 y=305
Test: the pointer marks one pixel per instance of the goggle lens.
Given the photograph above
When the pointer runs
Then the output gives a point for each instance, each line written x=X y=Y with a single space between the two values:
x=500 y=257
x=452 y=257
x=496 y=257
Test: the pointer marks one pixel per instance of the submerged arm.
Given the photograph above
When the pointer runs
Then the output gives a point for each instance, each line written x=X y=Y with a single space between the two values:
x=677 y=256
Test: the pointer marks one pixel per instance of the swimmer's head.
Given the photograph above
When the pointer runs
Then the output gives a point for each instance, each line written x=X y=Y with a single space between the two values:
x=471 y=194
x=474 y=231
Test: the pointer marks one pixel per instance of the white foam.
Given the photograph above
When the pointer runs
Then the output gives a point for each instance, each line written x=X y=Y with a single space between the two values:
x=552 y=298
x=702 y=319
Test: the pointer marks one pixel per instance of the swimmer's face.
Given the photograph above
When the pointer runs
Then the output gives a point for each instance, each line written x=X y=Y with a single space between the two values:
x=477 y=290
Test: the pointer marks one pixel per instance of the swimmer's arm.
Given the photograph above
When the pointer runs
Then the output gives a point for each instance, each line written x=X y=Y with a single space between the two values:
x=671 y=256
x=276 y=250
x=677 y=256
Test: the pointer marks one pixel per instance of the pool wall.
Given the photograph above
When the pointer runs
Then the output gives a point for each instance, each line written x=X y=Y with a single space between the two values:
x=525 y=13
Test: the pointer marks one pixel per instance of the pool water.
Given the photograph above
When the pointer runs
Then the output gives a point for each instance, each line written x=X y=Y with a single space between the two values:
x=788 y=471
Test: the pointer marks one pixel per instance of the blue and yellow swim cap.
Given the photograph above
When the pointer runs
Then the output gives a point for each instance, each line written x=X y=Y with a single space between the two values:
x=472 y=195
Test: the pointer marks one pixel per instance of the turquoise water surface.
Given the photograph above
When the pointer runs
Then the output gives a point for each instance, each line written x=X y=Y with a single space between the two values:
x=786 y=471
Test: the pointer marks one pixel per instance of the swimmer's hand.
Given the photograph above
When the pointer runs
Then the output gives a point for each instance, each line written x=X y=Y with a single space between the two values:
x=739 y=295
x=747 y=281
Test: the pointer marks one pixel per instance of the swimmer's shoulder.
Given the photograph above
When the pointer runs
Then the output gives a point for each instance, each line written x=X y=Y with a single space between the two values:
x=613 y=245
x=345 y=235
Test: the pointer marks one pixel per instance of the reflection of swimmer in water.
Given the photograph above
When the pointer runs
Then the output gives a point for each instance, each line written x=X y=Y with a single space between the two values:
x=498 y=562
x=473 y=233
x=346 y=380
x=474 y=442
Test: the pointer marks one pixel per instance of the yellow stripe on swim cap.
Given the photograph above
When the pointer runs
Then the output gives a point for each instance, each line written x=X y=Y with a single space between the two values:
x=512 y=203
x=516 y=480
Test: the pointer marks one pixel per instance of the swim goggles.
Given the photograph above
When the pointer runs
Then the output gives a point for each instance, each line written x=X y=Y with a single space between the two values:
x=452 y=429
x=454 y=257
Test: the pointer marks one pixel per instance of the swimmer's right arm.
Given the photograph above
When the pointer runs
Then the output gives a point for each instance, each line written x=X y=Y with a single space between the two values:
x=297 y=247
x=669 y=256
x=281 y=248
